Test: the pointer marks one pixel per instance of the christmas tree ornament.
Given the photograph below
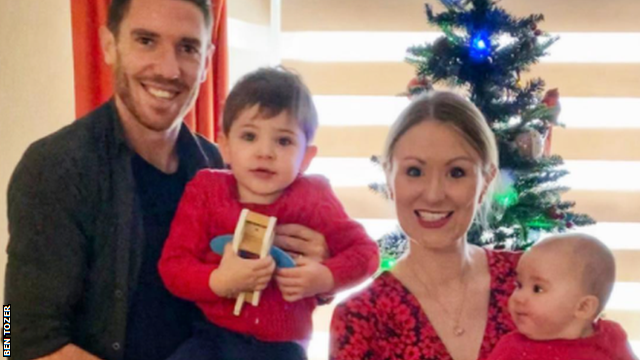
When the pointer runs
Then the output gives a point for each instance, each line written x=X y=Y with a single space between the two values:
x=552 y=100
x=418 y=85
x=518 y=80
x=420 y=82
x=480 y=46
x=554 y=214
x=530 y=144
x=537 y=32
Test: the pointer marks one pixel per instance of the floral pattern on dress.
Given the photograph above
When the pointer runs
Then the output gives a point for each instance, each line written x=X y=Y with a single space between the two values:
x=385 y=321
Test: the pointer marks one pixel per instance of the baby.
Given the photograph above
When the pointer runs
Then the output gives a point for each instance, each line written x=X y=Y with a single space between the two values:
x=563 y=283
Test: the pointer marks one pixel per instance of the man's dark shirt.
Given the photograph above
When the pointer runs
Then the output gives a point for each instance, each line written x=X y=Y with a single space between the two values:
x=153 y=332
x=77 y=237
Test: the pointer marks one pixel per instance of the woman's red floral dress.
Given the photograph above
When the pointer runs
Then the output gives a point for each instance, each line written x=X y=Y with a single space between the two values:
x=385 y=321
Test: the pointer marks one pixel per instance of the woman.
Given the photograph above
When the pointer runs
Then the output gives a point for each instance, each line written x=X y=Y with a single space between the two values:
x=445 y=299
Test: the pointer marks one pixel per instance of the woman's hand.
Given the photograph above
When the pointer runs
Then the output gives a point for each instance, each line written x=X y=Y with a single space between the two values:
x=300 y=240
x=236 y=275
x=308 y=278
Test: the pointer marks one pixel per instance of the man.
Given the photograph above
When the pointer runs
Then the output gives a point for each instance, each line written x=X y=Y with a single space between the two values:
x=90 y=206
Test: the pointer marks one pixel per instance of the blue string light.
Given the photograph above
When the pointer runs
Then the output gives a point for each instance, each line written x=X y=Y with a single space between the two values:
x=480 y=48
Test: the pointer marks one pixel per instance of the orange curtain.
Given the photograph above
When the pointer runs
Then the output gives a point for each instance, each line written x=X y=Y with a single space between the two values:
x=93 y=78
x=206 y=116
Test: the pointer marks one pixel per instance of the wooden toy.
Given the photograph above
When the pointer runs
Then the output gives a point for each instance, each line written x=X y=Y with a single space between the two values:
x=253 y=238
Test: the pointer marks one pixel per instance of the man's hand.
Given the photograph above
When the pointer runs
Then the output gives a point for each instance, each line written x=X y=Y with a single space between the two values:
x=308 y=278
x=236 y=275
x=300 y=240
x=69 y=352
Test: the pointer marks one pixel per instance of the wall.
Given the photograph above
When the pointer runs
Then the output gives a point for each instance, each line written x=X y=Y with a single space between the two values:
x=36 y=83
x=249 y=36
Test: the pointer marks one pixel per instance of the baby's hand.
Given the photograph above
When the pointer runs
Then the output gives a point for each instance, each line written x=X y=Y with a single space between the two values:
x=236 y=275
x=308 y=278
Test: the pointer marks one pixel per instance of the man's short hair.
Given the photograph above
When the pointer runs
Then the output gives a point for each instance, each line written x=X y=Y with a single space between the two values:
x=274 y=90
x=118 y=10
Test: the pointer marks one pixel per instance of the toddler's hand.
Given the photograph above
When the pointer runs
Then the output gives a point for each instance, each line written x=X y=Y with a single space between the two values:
x=236 y=275
x=308 y=278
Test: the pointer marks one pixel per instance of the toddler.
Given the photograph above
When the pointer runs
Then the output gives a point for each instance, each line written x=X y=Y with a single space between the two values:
x=268 y=124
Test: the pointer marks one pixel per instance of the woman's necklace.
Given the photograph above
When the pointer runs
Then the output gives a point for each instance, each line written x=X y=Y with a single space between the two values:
x=458 y=330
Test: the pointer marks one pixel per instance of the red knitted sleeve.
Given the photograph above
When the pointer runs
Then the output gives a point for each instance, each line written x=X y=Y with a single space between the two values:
x=353 y=254
x=182 y=265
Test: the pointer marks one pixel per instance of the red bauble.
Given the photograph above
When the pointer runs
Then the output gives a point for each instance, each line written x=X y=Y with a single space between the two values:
x=554 y=214
x=419 y=81
x=418 y=84
x=569 y=224
x=538 y=32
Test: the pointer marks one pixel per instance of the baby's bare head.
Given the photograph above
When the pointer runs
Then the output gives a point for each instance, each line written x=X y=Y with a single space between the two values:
x=594 y=264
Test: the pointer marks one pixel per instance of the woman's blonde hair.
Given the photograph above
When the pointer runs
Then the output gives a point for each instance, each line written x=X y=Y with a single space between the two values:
x=462 y=115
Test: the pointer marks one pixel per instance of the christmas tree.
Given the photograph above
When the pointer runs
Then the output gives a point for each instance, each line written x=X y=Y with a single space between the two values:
x=483 y=51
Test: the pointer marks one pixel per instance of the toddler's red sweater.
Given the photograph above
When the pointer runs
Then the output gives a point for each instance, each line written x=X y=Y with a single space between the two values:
x=210 y=207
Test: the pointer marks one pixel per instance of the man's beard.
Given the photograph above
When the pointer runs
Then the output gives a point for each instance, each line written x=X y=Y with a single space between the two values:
x=123 y=90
